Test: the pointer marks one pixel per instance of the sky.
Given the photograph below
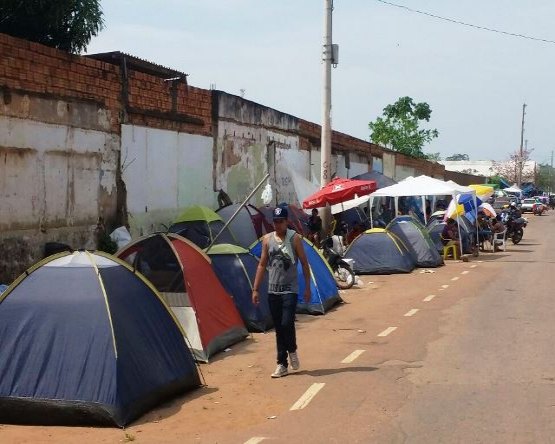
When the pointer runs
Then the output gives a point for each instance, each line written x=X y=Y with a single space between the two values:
x=474 y=81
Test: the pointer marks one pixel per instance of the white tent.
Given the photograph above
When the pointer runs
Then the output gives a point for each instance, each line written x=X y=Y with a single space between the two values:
x=514 y=189
x=422 y=186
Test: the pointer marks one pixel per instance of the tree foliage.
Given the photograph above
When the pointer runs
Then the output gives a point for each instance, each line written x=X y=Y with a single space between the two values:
x=510 y=169
x=64 y=24
x=399 y=127
x=458 y=157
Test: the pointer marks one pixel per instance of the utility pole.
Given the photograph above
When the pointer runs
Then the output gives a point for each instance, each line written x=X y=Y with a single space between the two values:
x=521 y=154
x=325 y=149
x=550 y=175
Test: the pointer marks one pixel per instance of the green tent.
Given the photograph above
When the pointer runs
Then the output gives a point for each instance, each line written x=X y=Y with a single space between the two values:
x=201 y=225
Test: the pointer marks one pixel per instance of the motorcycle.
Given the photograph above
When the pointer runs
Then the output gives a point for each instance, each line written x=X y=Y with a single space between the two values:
x=515 y=226
x=538 y=209
x=341 y=267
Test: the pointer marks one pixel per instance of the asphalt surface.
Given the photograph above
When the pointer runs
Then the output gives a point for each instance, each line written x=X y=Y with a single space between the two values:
x=461 y=354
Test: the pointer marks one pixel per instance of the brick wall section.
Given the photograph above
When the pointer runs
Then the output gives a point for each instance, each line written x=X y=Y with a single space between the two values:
x=37 y=69
x=463 y=178
x=310 y=135
x=151 y=93
x=33 y=68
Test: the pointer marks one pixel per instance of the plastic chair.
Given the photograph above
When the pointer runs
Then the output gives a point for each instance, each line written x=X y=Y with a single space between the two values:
x=499 y=239
x=452 y=248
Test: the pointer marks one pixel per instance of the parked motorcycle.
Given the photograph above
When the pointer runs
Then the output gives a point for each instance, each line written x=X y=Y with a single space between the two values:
x=515 y=226
x=538 y=209
x=341 y=267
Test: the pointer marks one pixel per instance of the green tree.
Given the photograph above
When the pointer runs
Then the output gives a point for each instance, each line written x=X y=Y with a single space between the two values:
x=399 y=127
x=64 y=24
x=434 y=157
x=458 y=157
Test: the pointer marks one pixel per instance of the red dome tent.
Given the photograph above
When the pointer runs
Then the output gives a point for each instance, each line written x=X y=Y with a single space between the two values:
x=183 y=275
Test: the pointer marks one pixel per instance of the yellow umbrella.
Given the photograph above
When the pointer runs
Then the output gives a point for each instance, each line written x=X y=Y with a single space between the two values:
x=483 y=192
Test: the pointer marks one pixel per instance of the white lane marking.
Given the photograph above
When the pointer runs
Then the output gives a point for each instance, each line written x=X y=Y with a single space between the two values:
x=411 y=312
x=445 y=286
x=429 y=298
x=256 y=440
x=352 y=356
x=473 y=266
x=456 y=278
x=308 y=395
x=465 y=272
x=387 y=331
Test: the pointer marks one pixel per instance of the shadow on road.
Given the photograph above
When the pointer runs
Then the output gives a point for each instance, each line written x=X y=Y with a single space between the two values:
x=334 y=371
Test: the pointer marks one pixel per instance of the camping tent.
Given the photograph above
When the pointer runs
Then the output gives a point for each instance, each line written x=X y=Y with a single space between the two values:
x=417 y=240
x=86 y=340
x=422 y=186
x=183 y=274
x=201 y=225
x=467 y=230
x=378 y=251
x=249 y=224
x=236 y=269
x=297 y=220
x=323 y=288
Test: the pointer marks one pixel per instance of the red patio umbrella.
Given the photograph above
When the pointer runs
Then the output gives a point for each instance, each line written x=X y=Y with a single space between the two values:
x=340 y=190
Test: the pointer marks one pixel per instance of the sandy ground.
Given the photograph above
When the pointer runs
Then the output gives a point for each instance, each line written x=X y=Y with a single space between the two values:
x=361 y=401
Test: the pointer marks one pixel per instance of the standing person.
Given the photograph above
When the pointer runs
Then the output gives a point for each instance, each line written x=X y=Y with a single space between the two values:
x=315 y=227
x=280 y=251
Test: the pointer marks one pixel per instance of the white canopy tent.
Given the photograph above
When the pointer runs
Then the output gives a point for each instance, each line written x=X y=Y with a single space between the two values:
x=423 y=186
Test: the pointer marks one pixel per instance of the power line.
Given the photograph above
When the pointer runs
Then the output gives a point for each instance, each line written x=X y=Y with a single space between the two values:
x=458 y=22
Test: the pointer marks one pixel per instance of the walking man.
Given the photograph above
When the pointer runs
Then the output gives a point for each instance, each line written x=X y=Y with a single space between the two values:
x=280 y=251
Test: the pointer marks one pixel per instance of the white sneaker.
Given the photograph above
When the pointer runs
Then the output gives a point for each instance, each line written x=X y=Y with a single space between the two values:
x=280 y=371
x=294 y=359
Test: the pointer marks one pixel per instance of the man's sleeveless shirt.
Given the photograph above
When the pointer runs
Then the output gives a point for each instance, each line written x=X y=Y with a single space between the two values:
x=282 y=265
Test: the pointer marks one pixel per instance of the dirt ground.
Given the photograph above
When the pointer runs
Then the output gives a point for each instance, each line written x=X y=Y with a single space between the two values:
x=241 y=401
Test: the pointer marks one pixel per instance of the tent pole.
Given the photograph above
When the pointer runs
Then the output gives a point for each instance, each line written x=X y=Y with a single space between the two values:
x=370 y=203
x=458 y=224
x=477 y=227
x=424 y=209
x=396 y=206
x=234 y=215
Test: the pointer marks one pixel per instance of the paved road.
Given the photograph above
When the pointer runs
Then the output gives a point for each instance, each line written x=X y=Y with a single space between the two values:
x=479 y=368
x=463 y=354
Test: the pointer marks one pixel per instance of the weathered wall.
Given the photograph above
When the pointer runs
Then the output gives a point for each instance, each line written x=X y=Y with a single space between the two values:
x=60 y=125
x=59 y=150
x=164 y=171
x=252 y=140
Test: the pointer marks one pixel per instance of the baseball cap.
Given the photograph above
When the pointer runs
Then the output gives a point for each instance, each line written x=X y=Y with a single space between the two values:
x=280 y=213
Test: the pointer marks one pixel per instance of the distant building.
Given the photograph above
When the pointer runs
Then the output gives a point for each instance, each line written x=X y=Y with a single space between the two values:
x=490 y=168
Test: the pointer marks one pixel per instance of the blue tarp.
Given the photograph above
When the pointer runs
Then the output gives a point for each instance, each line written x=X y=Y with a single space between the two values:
x=323 y=288
x=3 y=288
x=81 y=347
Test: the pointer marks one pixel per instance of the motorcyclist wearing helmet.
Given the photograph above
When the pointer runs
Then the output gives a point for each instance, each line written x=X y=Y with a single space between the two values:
x=514 y=211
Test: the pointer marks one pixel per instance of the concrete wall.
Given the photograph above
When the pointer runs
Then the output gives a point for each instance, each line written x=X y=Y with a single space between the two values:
x=56 y=179
x=164 y=172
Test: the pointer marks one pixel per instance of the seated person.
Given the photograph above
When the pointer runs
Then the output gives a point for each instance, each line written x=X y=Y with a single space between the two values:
x=484 y=228
x=496 y=225
x=354 y=232
x=315 y=227
x=450 y=233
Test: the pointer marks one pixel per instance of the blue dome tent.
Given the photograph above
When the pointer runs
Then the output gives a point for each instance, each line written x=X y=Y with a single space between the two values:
x=86 y=340
x=236 y=270
x=378 y=251
x=417 y=240
x=323 y=289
